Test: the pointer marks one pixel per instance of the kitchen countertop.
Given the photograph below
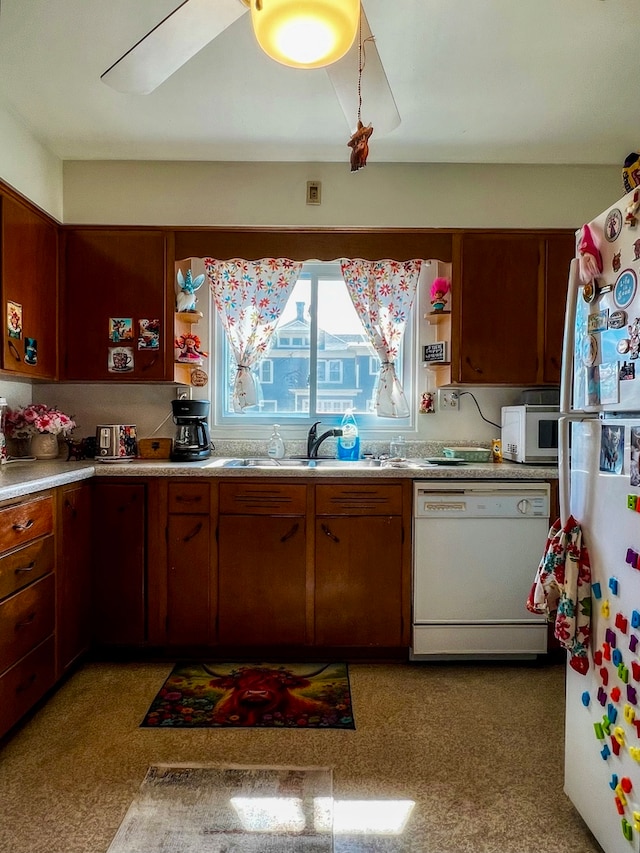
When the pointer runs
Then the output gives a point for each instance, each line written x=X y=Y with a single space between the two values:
x=23 y=478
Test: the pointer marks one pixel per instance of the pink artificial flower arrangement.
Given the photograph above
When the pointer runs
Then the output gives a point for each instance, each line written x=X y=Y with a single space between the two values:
x=439 y=290
x=26 y=421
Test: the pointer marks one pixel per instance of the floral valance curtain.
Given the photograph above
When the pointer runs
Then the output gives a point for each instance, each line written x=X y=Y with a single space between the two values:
x=382 y=293
x=249 y=297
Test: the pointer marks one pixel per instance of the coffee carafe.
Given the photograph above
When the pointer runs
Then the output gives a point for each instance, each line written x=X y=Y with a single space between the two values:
x=193 y=440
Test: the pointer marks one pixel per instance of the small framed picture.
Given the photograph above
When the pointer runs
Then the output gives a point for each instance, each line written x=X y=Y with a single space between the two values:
x=435 y=353
x=120 y=329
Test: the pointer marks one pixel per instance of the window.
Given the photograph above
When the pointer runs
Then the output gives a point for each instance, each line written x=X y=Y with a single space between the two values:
x=320 y=362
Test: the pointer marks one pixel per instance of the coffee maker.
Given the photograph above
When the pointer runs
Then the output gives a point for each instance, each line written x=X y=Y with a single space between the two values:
x=192 y=441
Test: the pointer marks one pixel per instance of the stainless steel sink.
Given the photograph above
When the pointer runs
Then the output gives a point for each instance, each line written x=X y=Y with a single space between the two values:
x=267 y=462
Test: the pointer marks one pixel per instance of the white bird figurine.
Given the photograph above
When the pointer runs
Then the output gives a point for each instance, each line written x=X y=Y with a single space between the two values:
x=186 y=287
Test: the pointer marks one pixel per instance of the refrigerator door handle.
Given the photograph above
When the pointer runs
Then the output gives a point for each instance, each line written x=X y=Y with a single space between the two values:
x=569 y=339
x=564 y=460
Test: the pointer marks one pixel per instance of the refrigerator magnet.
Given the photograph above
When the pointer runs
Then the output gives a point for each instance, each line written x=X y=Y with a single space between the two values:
x=627 y=371
x=611 y=449
x=616 y=263
x=609 y=387
x=617 y=319
x=599 y=321
x=636 y=250
x=625 y=288
x=613 y=225
x=120 y=329
x=593 y=386
x=589 y=350
x=14 y=320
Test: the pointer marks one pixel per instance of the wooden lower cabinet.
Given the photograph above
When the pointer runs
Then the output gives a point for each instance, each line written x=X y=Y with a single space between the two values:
x=118 y=557
x=361 y=593
x=262 y=580
x=73 y=574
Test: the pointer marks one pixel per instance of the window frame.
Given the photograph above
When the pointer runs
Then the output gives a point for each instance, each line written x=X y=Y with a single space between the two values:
x=375 y=426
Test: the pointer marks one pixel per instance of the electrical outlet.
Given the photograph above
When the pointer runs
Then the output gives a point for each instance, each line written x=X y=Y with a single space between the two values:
x=448 y=400
x=182 y=392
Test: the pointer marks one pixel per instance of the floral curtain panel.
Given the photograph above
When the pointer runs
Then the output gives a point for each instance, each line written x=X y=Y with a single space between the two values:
x=382 y=293
x=249 y=297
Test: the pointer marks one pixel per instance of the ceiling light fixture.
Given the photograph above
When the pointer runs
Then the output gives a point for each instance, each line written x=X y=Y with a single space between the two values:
x=305 y=33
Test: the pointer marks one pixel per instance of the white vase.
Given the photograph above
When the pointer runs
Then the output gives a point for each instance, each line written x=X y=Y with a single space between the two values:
x=44 y=445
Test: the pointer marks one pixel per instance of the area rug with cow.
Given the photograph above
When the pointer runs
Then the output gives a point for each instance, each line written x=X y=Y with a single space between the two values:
x=266 y=695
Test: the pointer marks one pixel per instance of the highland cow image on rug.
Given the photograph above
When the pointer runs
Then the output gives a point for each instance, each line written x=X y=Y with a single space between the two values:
x=254 y=694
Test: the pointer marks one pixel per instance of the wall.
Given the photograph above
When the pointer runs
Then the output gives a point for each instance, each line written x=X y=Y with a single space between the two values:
x=402 y=195
x=28 y=166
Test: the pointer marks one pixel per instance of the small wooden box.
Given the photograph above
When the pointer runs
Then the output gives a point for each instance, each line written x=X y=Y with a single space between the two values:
x=154 y=448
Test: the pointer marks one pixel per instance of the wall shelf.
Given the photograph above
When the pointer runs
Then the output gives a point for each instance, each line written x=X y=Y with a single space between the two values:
x=189 y=317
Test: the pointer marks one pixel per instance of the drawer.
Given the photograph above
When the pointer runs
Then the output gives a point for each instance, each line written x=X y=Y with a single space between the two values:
x=25 y=620
x=189 y=498
x=365 y=499
x=24 y=522
x=26 y=682
x=25 y=565
x=262 y=499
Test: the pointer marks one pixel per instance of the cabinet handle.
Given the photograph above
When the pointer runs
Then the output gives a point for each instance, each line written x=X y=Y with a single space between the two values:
x=68 y=505
x=188 y=499
x=25 y=568
x=27 y=621
x=291 y=533
x=328 y=533
x=193 y=533
x=554 y=361
x=14 y=351
x=150 y=363
x=26 y=684
x=19 y=528
x=475 y=369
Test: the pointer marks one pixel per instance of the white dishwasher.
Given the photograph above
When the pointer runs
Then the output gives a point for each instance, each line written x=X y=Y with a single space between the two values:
x=476 y=549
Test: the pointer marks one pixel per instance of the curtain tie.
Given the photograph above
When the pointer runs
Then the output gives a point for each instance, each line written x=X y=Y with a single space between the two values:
x=243 y=367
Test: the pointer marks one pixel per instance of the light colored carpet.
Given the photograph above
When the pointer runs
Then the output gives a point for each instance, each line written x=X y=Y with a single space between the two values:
x=229 y=809
x=446 y=759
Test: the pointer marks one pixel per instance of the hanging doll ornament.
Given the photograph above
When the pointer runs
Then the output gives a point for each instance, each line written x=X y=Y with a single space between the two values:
x=186 y=287
x=589 y=257
x=439 y=290
x=359 y=142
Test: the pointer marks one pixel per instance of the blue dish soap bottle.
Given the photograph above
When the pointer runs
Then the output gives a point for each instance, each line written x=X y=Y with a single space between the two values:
x=349 y=441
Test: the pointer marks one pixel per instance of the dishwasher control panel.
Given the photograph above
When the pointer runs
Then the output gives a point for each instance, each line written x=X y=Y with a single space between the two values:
x=494 y=501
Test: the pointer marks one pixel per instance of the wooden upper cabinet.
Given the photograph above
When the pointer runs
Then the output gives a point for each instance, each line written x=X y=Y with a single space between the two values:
x=121 y=274
x=560 y=249
x=30 y=279
x=498 y=310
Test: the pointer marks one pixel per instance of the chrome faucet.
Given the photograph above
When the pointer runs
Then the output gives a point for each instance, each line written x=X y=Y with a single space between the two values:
x=313 y=442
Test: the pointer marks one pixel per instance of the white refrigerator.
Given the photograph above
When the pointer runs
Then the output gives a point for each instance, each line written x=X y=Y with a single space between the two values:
x=600 y=487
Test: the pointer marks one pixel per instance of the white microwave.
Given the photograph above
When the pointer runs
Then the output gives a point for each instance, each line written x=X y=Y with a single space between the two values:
x=530 y=434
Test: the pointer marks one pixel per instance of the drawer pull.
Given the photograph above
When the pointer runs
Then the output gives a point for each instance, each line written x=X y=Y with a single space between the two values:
x=291 y=533
x=193 y=533
x=25 y=568
x=26 y=622
x=187 y=499
x=328 y=533
x=25 y=685
x=19 y=528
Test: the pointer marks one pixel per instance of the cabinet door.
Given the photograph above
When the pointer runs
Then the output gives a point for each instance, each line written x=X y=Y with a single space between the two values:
x=189 y=583
x=560 y=249
x=262 y=580
x=119 y=274
x=73 y=574
x=358 y=594
x=498 y=330
x=118 y=563
x=30 y=279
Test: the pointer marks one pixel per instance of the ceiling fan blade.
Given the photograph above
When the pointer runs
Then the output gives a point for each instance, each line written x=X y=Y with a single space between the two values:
x=170 y=44
x=378 y=105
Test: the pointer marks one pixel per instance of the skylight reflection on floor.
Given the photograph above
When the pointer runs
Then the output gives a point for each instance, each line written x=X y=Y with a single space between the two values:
x=350 y=817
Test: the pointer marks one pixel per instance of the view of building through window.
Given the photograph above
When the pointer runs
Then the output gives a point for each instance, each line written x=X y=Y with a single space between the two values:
x=320 y=360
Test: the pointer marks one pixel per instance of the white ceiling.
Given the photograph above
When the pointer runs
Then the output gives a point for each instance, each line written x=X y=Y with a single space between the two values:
x=475 y=81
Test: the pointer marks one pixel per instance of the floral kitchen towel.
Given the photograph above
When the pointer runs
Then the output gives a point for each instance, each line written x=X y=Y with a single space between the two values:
x=562 y=590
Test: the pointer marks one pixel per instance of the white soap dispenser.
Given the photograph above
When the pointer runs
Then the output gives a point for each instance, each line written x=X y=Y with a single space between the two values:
x=275 y=447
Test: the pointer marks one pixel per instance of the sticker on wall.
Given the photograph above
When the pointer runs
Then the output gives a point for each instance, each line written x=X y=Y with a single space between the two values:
x=598 y=322
x=613 y=225
x=14 y=320
x=120 y=329
x=634 y=464
x=30 y=351
x=625 y=288
x=627 y=371
x=120 y=360
x=609 y=388
x=611 y=449
x=148 y=334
